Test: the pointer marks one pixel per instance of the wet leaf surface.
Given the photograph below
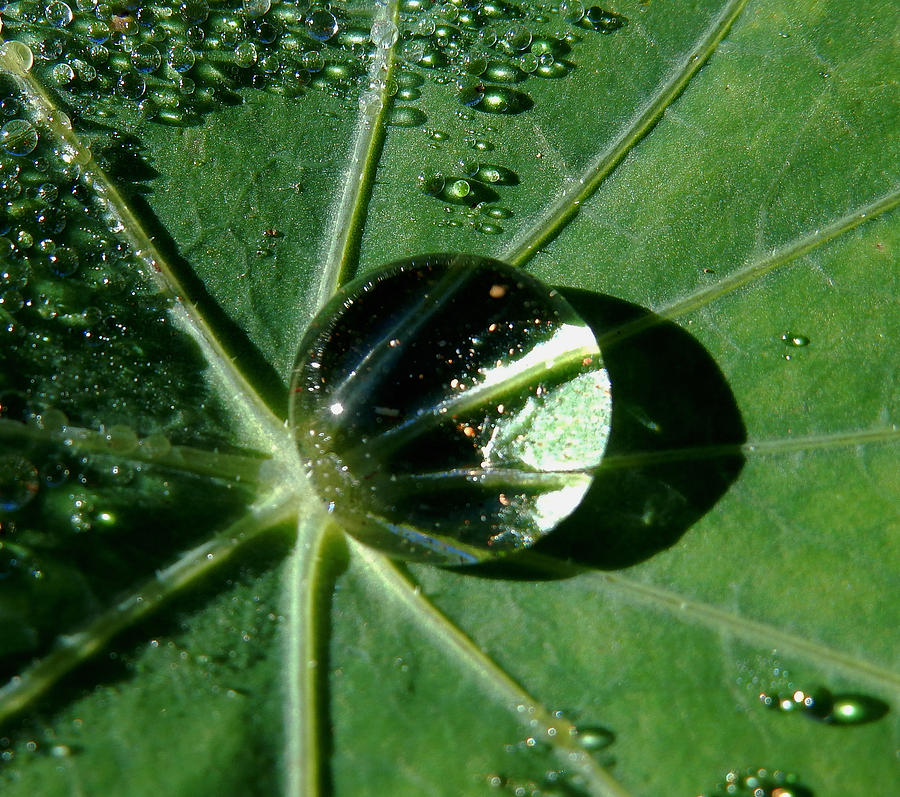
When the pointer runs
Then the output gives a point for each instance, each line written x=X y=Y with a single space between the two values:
x=711 y=186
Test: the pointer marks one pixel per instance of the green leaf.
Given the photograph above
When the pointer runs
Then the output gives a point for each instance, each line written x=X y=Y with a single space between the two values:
x=712 y=185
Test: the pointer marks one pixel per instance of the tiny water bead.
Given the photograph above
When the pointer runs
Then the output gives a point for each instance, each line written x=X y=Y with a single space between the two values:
x=432 y=404
x=793 y=339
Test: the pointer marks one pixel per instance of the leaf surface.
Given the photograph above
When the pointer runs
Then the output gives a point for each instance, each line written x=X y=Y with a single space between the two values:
x=712 y=185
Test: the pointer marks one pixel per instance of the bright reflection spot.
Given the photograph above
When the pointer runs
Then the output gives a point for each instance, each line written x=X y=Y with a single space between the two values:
x=566 y=340
x=337 y=408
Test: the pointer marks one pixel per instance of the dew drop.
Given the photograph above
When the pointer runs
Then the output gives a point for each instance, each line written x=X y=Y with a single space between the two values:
x=759 y=782
x=131 y=85
x=19 y=482
x=321 y=24
x=17 y=56
x=515 y=38
x=384 y=33
x=54 y=474
x=194 y=11
x=504 y=73
x=121 y=439
x=156 y=445
x=792 y=339
x=146 y=58
x=58 y=13
x=406 y=117
x=254 y=9
x=62 y=74
x=603 y=21
x=18 y=137
x=396 y=413
x=480 y=144
x=181 y=57
x=245 y=54
x=594 y=738
x=63 y=261
x=312 y=61
x=572 y=10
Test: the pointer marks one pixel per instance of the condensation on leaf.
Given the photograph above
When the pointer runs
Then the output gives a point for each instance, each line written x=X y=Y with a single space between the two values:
x=450 y=408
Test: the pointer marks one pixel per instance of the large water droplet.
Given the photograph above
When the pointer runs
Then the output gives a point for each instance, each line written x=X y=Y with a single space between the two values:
x=427 y=403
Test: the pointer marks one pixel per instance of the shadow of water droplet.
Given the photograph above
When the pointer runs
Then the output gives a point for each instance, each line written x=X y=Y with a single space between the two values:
x=668 y=396
x=673 y=451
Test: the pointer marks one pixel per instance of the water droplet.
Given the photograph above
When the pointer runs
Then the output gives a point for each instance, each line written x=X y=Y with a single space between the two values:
x=62 y=74
x=406 y=117
x=594 y=737
x=603 y=21
x=384 y=33
x=245 y=54
x=504 y=73
x=63 y=261
x=417 y=358
x=822 y=705
x=156 y=445
x=54 y=474
x=759 y=782
x=122 y=439
x=19 y=482
x=495 y=99
x=146 y=58
x=194 y=11
x=58 y=13
x=572 y=10
x=480 y=144
x=256 y=8
x=855 y=710
x=181 y=57
x=131 y=85
x=16 y=56
x=552 y=70
x=792 y=339
x=18 y=137
x=321 y=24
x=515 y=38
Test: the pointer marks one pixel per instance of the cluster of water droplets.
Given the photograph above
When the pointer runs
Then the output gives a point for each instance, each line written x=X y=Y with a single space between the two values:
x=759 y=782
x=490 y=49
x=489 y=53
x=175 y=60
x=87 y=346
x=777 y=690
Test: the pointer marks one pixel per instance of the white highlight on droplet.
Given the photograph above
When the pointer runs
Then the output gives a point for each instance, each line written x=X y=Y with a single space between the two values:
x=337 y=408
